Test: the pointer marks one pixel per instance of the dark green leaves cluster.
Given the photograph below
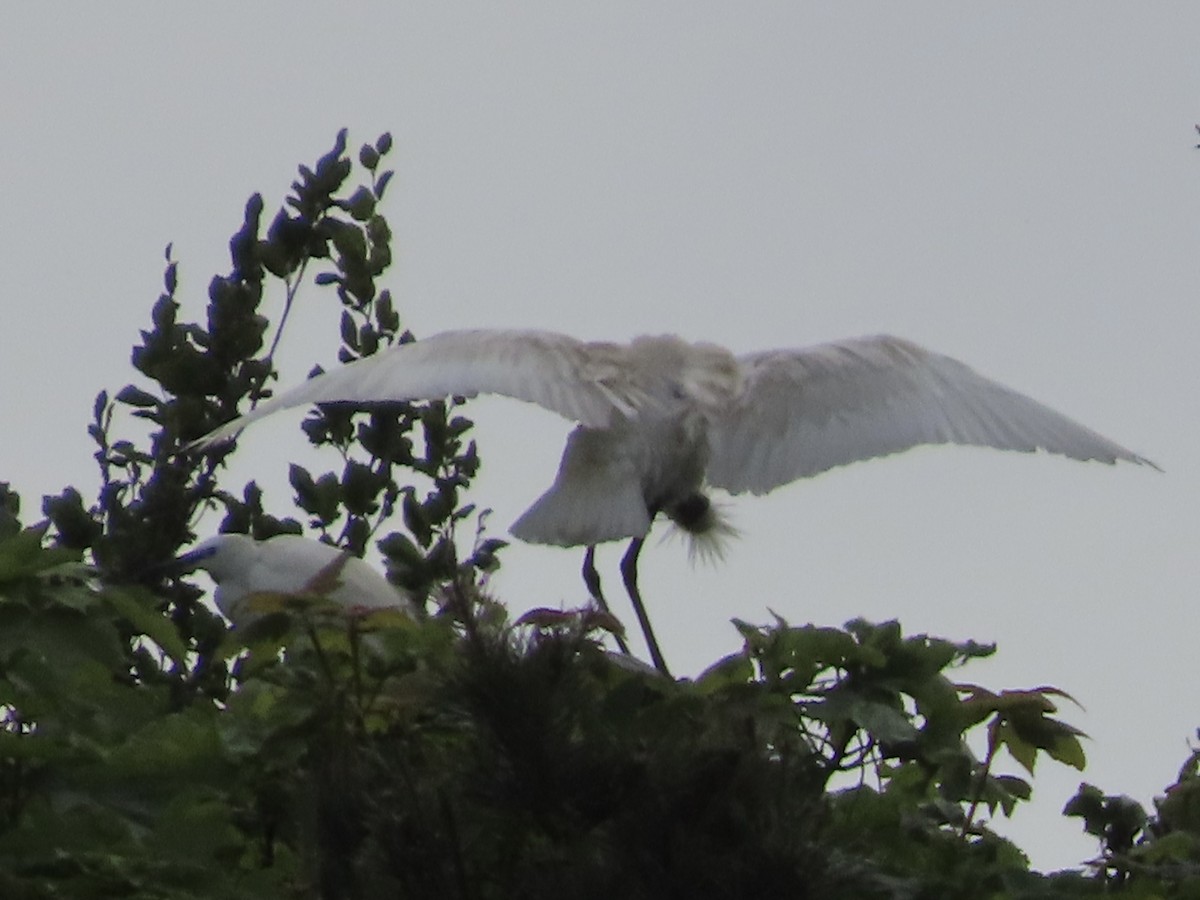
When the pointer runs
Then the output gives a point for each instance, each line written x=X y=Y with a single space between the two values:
x=106 y=788
x=464 y=756
x=409 y=458
x=1141 y=852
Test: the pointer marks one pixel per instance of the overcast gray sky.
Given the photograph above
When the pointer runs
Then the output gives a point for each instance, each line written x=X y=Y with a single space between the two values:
x=1012 y=184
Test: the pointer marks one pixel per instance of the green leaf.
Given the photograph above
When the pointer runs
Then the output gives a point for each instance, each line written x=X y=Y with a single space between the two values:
x=304 y=486
x=131 y=395
x=1088 y=803
x=319 y=498
x=182 y=745
x=398 y=548
x=349 y=331
x=76 y=526
x=1021 y=750
x=361 y=204
x=326 y=581
x=1018 y=787
x=136 y=606
x=385 y=314
x=883 y=721
x=22 y=555
x=734 y=669
x=415 y=520
x=10 y=511
x=32 y=747
x=349 y=241
x=1068 y=750
x=360 y=488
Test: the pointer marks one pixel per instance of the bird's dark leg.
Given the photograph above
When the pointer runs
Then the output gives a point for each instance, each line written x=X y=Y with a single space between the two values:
x=591 y=578
x=629 y=573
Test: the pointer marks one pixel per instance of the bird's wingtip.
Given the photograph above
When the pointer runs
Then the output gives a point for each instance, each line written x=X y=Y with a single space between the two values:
x=222 y=435
x=1142 y=461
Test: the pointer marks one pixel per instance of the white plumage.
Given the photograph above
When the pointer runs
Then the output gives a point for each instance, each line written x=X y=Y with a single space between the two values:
x=660 y=419
x=242 y=567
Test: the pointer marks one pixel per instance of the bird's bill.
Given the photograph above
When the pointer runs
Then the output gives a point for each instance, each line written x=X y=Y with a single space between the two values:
x=181 y=565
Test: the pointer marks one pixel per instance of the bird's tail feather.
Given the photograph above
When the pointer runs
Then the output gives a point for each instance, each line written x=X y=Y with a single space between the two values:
x=596 y=496
x=582 y=513
x=705 y=527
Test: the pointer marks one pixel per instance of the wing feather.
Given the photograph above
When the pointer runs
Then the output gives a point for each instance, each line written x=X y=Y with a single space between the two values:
x=805 y=411
x=596 y=496
x=584 y=382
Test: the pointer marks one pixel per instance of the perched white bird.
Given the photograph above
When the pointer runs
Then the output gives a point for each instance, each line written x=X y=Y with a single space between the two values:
x=287 y=564
x=661 y=419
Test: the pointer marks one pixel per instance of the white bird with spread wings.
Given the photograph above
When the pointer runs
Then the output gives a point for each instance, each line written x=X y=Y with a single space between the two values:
x=662 y=420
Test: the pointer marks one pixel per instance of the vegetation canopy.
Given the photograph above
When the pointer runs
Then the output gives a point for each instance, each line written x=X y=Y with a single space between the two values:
x=148 y=751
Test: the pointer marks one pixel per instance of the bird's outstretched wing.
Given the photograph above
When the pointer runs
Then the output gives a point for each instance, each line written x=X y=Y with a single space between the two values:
x=805 y=411
x=585 y=382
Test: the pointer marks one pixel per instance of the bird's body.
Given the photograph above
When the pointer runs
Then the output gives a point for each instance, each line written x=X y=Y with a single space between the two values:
x=612 y=481
x=661 y=420
x=242 y=568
